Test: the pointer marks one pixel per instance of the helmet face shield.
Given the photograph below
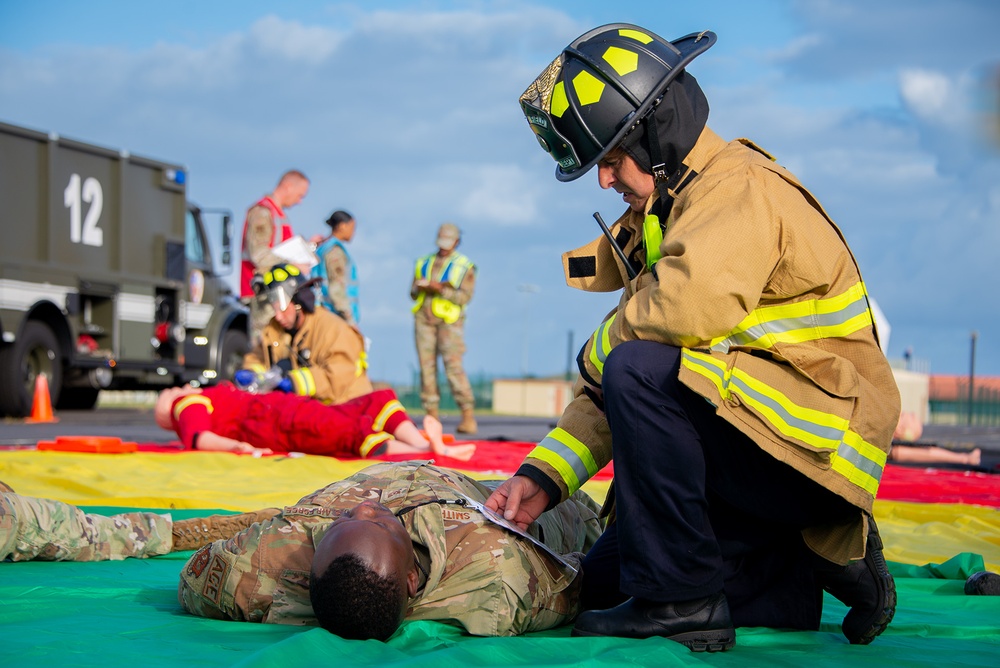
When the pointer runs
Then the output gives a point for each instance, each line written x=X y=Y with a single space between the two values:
x=279 y=284
x=549 y=139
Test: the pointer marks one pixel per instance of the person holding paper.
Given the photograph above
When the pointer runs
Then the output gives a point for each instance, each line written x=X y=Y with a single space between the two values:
x=264 y=221
x=312 y=352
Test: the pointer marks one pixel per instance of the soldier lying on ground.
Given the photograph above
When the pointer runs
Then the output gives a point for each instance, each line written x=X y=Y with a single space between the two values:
x=393 y=541
x=224 y=418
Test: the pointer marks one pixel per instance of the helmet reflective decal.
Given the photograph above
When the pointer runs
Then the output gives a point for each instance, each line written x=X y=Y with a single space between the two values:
x=622 y=60
x=588 y=88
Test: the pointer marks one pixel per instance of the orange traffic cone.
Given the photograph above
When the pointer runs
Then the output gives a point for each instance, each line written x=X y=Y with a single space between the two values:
x=41 y=409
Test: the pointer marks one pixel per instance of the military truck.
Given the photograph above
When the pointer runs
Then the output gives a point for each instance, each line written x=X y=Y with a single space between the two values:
x=107 y=278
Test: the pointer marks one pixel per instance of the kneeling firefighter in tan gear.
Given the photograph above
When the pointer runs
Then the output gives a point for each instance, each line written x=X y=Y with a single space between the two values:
x=739 y=383
x=442 y=286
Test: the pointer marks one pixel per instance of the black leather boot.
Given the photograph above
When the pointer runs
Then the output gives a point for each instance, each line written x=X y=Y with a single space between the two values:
x=867 y=588
x=701 y=625
x=983 y=583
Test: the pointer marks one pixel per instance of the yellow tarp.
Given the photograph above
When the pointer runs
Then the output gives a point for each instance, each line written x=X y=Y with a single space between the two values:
x=913 y=533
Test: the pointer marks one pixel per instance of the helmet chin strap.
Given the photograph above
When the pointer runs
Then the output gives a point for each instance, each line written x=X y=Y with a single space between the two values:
x=665 y=183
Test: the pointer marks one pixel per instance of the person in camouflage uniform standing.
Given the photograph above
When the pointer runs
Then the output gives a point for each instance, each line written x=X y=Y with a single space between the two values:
x=265 y=226
x=442 y=286
x=467 y=570
x=338 y=275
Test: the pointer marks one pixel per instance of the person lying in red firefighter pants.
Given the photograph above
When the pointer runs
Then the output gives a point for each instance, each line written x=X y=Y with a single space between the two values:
x=223 y=418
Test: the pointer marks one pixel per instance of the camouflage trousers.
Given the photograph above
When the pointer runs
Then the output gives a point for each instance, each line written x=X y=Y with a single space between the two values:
x=49 y=530
x=436 y=338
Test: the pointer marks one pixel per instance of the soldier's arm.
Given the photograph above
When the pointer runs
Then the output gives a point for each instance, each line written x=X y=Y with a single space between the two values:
x=336 y=272
x=260 y=236
x=463 y=294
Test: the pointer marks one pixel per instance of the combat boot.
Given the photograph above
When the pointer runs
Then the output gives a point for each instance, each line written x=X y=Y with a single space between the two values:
x=468 y=424
x=201 y=531
x=867 y=588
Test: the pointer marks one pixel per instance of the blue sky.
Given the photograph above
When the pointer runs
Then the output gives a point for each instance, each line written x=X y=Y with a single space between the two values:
x=405 y=114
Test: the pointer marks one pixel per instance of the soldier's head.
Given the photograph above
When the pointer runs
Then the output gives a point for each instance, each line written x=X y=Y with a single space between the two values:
x=291 y=189
x=363 y=574
x=288 y=292
x=619 y=94
x=448 y=237
x=342 y=225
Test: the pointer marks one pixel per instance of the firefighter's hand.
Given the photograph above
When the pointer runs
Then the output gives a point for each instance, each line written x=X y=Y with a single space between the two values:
x=520 y=500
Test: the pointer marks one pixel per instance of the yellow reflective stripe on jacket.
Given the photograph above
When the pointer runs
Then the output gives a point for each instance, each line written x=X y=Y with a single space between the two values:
x=190 y=400
x=568 y=456
x=600 y=345
x=387 y=411
x=850 y=455
x=372 y=442
x=809 y=320
x=303 y=382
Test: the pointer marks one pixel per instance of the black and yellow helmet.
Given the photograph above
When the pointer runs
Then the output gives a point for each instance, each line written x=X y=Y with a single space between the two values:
x=282 y=284
x=600 y=88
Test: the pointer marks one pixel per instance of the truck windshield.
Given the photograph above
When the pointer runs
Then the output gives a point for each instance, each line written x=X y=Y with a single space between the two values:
x=194 y=245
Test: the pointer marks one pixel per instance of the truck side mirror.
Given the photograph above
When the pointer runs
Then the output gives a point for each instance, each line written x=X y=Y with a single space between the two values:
x=227 y=239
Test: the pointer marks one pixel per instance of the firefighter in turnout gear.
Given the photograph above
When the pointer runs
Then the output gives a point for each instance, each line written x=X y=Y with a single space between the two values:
x=739 y=382
x=314 y=352
x=442 y=286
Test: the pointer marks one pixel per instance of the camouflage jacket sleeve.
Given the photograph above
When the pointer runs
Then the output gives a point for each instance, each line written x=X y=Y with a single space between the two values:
x=336 y=288
x=260 y=238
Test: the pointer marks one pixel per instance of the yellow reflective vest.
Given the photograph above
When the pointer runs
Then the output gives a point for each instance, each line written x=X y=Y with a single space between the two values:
x=452 y=271
x=758 y=287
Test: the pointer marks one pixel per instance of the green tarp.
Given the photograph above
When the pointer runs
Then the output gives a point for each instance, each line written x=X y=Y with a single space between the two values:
x=125 y=613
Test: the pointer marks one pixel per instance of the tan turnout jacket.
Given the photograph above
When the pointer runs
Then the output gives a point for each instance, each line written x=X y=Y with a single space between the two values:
x=757 y=285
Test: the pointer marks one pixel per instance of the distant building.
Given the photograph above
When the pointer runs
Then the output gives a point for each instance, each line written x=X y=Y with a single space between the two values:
x=949 y=400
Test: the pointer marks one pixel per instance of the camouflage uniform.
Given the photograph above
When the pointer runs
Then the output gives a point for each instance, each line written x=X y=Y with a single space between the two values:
x=48 y=530
x=436 y=337
x=338 y=289
x=482 y=577
x=264 y=221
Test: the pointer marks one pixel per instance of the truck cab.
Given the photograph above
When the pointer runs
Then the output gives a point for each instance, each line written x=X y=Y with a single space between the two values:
x=107 y=276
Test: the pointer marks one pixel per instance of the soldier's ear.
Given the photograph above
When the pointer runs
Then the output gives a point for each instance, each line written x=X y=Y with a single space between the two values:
x=413 y=581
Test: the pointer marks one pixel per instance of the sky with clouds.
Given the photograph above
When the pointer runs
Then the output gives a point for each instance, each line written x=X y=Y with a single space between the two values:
x=405 y=114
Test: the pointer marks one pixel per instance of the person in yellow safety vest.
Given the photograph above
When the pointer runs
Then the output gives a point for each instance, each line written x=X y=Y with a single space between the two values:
x=739 y=382
x=304 y=350
x=442 y=286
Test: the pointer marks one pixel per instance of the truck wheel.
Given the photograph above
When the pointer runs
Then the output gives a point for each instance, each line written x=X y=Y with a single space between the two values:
x=78 y=398
x=234 y=346
x=35 y=351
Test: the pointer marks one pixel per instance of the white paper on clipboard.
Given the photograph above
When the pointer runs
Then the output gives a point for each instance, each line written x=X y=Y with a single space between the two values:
x=297 y=251
x=499 y=520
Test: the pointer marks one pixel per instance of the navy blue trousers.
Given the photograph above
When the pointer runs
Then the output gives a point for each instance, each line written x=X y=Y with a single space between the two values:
x=700 y=508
